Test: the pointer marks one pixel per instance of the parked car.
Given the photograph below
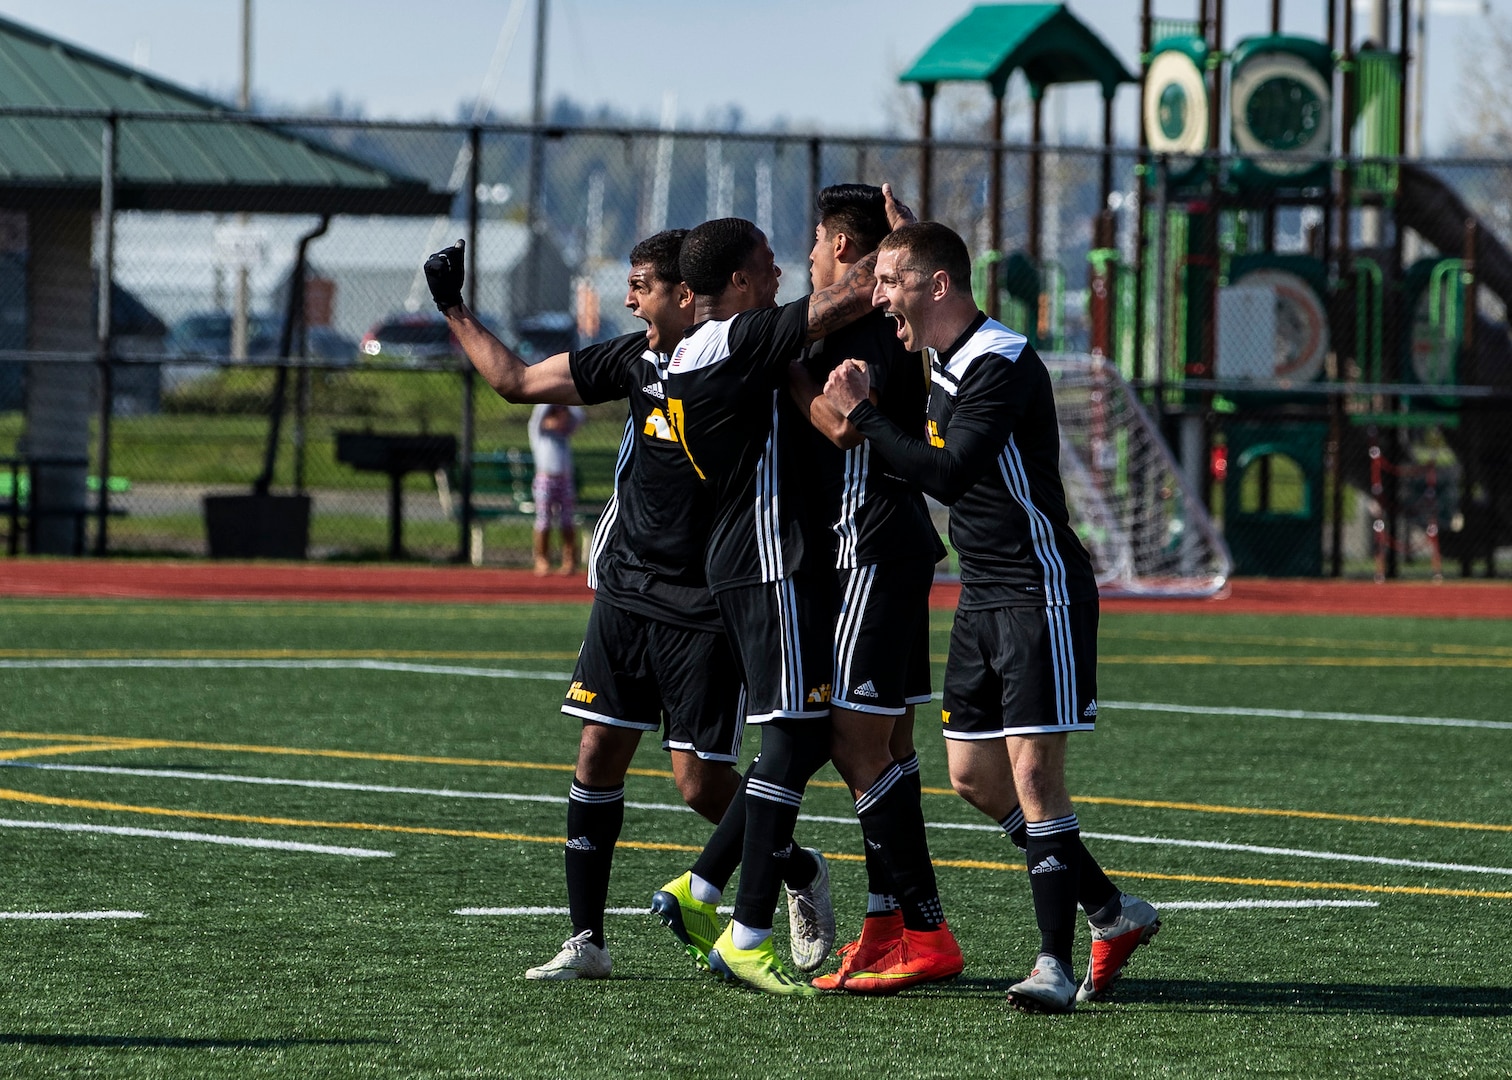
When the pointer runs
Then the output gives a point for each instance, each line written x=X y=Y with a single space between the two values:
x=410 y=339
x=207 y=335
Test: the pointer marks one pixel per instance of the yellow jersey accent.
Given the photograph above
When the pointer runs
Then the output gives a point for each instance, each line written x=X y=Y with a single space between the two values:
x=656 y=426
x=675 y=419
x=933 y=432
x=944 y=716
x=819 y=694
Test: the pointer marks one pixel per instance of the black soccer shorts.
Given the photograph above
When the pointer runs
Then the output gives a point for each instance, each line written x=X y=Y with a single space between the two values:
x=783 y=636
x=882 y=637
x=1021 y=671
x=634 y=670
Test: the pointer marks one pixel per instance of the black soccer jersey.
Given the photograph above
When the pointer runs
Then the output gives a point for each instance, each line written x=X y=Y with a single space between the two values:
x=647 y=553
x=876 y=515
x=723 y=385
x=992 y=452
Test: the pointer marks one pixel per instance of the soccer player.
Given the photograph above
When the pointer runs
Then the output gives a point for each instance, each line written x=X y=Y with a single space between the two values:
x=1021 y=673
x=655 y=648
x=725 y=383
x=885 y=562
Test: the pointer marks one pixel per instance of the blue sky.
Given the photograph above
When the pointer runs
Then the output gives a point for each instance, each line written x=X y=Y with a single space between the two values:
x=827 y=65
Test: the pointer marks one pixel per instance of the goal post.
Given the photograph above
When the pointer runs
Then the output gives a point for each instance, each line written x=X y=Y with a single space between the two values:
x=1145 y=528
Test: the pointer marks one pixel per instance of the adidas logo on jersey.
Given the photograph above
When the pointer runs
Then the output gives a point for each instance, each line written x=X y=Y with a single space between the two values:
x=1048 y=865
x=654 y=390
x=580 y=843
x=1090 y=712
x=866 y=689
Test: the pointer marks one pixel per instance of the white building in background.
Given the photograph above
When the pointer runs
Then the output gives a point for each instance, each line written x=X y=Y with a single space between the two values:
x=177 y=265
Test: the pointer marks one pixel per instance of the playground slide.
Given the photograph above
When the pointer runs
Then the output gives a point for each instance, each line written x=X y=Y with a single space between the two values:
x=1435 y=212
x=1483 y=439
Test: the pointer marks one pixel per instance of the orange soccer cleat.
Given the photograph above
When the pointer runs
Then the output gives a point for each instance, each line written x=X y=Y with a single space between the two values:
x=880 y=934
x=922 y=956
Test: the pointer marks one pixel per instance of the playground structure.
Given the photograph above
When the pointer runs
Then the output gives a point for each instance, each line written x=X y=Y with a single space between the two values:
x=1352 y=379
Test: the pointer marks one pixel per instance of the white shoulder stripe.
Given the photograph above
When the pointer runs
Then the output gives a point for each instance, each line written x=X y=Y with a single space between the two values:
x=993 y=338
x=705 y=347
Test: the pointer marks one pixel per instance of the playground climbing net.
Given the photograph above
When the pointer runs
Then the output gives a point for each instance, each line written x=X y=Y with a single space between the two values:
x=1145 y=527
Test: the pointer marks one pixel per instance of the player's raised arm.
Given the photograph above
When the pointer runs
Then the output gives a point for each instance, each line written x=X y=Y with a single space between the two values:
x=851 y=297
x=548 y=382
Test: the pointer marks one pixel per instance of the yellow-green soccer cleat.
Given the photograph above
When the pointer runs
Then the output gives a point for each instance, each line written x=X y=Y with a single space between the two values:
x=695 y=923
x=758 y=968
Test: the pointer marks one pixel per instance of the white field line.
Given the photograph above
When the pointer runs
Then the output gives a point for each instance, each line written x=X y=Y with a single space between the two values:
x=198 y=837
x=1231 y=905
x=1303 y=714
x=73 y=914
x=724 y=910
x=1174 y=905
x=562 y=676
x=448 y=793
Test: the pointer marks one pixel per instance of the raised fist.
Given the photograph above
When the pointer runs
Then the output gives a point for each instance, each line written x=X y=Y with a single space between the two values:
x=443 y=273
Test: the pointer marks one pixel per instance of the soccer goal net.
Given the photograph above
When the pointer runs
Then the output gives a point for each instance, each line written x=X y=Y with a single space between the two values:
x=1145 y=528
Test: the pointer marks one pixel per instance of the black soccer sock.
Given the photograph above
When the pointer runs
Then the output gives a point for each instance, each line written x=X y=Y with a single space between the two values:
x=594 y=818
x=1013 y=825
x=791 y=752
x=1054 y=858
x=717 y=862
x=1098 y=896
x=893 y=822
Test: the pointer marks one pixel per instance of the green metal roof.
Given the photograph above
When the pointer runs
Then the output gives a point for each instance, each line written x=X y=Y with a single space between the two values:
x=185 y=163
x=1046 y=41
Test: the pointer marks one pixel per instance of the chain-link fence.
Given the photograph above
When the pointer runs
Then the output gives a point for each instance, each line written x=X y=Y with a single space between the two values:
x=279 y=346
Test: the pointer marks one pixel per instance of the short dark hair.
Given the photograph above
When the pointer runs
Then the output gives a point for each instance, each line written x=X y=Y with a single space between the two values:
x=715 y=250
x=931 y=246
x=660 y=252
x=857 y=210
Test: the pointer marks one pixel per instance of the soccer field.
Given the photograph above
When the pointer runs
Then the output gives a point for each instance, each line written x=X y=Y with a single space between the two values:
x=315 y=839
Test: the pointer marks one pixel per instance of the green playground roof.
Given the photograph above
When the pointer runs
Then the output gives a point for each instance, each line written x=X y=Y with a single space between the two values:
x=190 y=162
x=1048 y=43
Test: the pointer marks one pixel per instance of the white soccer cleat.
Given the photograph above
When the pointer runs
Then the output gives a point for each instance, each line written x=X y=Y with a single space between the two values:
x=811 y=919
x=580 y=958
x=1050 y=988
x=1113 y=945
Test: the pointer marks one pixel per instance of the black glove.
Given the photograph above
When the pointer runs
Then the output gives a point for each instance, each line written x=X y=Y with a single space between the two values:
x=443 y=273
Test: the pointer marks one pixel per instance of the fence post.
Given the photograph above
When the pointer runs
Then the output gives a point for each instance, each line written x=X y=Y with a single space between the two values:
x=103 y=323
x=469 y=373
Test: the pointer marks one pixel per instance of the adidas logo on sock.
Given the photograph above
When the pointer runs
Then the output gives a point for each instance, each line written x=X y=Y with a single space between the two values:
x=1048 y=865
x=580 y=843
x=1091 y=710
x=784 y=853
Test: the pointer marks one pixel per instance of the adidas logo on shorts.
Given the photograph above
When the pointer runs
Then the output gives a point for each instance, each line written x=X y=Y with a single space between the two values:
x=1090 y=712
x=1048 y=865
x=866 y=689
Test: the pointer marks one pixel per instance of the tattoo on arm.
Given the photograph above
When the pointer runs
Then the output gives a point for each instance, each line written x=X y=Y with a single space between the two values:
x=845 y=301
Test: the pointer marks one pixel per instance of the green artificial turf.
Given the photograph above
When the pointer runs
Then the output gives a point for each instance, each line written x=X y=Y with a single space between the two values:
x=260 y=962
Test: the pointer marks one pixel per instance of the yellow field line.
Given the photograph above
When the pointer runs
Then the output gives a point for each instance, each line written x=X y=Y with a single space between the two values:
x=641 y=845
x=1314 y=815
x=72 y=748
x=361 y=826
x=114 y=742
